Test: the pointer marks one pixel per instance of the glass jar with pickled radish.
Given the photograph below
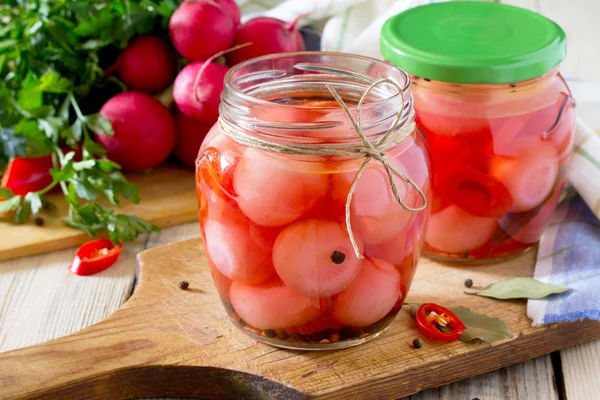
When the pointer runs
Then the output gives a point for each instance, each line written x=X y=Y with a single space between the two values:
x=297 y=263
x=498 y=118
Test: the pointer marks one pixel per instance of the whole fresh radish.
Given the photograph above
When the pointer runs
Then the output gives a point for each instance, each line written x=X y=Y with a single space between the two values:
x=267 y=36
x=147 y=64
x=197 y=90
x=190 y=134
x=144 y=131
x=199 y=29
x=230 y=8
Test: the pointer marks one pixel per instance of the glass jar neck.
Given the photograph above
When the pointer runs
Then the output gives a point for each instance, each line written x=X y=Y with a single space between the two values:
x=286 y=97
x=475 y=90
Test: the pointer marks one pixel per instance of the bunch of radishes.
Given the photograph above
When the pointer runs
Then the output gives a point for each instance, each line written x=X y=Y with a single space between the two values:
x=145 y=130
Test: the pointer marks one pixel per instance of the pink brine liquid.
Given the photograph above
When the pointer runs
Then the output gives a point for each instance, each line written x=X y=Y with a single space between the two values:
x=499 y=157
x=279 y=251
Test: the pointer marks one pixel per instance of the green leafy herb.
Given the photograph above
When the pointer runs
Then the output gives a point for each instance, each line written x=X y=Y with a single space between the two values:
x=53 y=56
x=479 y=326
x=519 y=288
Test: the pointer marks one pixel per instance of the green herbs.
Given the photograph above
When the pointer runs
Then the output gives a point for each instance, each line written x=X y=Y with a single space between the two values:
x=52 y=60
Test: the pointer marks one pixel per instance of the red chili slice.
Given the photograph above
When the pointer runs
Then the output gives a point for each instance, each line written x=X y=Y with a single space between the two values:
x=439 y=323
x=475 y=192
x=95 y=256
x=24 y=175
x=210 y=170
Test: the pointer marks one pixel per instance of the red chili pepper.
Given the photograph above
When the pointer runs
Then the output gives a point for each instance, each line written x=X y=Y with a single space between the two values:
x=95 y=256
x=24 y=175
x=475 y=192
x=439 y=323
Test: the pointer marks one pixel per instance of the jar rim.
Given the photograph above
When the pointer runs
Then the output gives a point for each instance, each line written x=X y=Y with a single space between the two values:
x=246 y=99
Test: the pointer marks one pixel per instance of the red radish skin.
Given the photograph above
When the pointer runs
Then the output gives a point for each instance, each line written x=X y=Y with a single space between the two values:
x=315 y=257
x=199 y=29
x=530 y=175
x=268 y=36
x=376 y=218
x=272 y=305
x=370 y=296
x=144 y=131
x=453 y=230
x=190 y=134
x=197 y=90
x=230 y=8
x=240 y=251
x=278 y=202
x=146 y=65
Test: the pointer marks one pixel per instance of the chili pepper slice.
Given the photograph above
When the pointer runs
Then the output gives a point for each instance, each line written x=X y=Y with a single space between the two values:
x=475 y=192
x=95 y=256
x=24 y=175
x=219 y=177
x=438 y=323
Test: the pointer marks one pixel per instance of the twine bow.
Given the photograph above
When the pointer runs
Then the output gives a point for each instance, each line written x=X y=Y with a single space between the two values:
x=369 y=150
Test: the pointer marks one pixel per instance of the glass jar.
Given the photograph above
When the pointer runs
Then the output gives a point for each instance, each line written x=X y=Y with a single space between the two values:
x=498 y=118
x=273 y=223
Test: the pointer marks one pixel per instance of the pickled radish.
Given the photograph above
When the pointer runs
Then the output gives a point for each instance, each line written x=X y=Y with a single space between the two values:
x=239 y=250
x=453 y=230
x=530 y=228
x=222 y=283
x=530 y=175
x=376 y=215
x=315 y=257
x=272 y=305
x=273 y=190
x=392 y=251
x=370 y=296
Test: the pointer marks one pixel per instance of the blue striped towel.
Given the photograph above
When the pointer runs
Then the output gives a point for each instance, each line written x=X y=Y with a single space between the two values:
x=569 y=255
x=569 y=251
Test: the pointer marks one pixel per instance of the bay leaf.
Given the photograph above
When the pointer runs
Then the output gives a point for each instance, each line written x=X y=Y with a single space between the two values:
x=520 y=288
x=481 y=326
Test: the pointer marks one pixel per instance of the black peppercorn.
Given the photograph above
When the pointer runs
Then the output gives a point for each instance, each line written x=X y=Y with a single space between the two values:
x=281 y=335
x=39 y=221
x=468 y=283
x=338 y=257
x=183 y=285
x=417 y=343
x=270 y=333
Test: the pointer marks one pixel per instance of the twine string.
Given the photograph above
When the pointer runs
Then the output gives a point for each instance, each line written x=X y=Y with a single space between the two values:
x=369 y=150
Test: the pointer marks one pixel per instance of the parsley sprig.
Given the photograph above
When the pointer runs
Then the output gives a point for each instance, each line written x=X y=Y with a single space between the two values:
x=53 y=54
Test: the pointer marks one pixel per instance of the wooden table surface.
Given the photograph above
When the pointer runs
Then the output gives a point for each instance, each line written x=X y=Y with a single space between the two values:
x=40 y=300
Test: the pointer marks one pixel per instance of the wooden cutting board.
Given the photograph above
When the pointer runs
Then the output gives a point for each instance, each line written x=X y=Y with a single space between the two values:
x=165 y=341
x=167 y=198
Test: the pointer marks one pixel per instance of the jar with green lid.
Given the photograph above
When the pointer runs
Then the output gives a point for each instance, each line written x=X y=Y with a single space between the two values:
x=498 y=118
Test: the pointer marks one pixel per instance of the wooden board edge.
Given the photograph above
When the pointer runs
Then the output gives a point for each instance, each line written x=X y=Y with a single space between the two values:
x=522 y=348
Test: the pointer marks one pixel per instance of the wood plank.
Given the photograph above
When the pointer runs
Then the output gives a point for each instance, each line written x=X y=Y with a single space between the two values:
x=168 y=198
x=533 y=379
x=163 y=334
x=40 y=300
x=581 y=371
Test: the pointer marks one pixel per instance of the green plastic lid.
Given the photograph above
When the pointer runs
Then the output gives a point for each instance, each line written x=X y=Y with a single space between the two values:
x=473 y=42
